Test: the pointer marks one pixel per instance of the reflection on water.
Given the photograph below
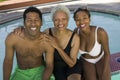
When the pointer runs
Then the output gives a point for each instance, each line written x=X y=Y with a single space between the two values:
x=110 y=23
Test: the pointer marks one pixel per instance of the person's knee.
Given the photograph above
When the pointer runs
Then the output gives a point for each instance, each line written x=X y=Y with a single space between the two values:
x=74 y=77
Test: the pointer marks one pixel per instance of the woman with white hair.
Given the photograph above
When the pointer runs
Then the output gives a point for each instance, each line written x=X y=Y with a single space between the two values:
x=66 y=44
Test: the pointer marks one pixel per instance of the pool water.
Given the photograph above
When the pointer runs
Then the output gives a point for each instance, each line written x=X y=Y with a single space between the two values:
x=111 y=23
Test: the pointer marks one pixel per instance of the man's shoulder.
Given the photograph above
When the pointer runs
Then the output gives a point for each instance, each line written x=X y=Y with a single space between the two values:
x=10 y=35
x=10 y=40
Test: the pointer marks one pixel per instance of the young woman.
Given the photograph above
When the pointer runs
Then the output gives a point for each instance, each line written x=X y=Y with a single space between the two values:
x=94 y=47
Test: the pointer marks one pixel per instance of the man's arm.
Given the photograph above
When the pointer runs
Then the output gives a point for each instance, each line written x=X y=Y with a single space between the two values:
x=8 y=60
x=48 y=63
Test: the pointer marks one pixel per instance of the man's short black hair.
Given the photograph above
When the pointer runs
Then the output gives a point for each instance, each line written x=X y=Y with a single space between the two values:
x=32 y=9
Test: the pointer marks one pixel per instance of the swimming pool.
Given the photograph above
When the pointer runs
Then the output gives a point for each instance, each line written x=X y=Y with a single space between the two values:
x=109 y=22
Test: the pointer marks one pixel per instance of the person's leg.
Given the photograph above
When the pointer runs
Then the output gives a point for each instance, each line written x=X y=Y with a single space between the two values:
x=74 y=77
x=99 y=68
x=74 y=73
x=60 y=74
x=89 y=71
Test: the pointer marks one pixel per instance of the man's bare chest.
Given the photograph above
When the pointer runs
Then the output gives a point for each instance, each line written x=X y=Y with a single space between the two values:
x=33 y=49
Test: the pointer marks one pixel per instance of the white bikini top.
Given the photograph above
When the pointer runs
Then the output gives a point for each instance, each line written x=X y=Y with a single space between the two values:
x=96 y=48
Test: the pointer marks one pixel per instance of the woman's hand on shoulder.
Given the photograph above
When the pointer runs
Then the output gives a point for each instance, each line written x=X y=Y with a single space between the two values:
x=19 y=31
x=52 y=41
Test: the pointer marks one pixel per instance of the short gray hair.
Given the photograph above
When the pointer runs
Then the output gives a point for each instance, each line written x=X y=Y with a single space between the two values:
x=60 y=8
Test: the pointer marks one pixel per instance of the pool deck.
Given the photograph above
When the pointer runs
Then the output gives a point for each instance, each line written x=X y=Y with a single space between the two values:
x=9 y=11
x=115 y=63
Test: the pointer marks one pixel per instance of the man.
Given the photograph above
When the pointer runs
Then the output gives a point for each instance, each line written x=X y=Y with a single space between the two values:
x=29 y=51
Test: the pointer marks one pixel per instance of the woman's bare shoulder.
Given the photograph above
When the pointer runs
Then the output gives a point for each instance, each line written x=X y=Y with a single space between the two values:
x=101 y=31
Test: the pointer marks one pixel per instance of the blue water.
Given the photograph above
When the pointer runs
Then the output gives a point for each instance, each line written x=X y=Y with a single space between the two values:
x=111 y=23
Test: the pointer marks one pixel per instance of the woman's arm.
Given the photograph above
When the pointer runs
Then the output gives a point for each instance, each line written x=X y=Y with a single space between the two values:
x=70 y=60
x=105 y=45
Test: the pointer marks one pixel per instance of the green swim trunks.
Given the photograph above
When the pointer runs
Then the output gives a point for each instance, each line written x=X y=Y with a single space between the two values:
x=29 y=74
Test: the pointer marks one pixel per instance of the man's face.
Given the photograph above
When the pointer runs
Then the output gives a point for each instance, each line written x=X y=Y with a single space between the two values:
x=32 y=23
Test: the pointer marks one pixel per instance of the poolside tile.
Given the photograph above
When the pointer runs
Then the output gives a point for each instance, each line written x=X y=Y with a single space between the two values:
x=114 y=62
